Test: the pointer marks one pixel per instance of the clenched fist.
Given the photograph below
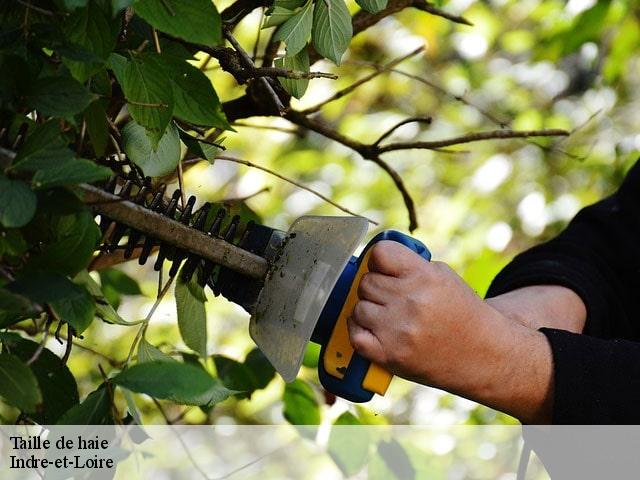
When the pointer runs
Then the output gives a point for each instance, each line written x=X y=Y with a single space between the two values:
x=421 y=321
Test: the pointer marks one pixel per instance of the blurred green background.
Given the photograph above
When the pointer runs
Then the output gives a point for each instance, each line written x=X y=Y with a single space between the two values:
x=527 y=64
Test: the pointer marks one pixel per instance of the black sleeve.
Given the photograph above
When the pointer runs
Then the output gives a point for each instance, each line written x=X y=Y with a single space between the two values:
x=597 y=375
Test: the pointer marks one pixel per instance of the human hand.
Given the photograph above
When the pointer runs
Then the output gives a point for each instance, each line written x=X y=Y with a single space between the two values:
x=421 y=321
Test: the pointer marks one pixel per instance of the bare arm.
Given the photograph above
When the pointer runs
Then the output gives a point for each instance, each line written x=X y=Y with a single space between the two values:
x=540 y=306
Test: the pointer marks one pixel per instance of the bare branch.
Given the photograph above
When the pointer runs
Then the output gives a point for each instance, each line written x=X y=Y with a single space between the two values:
x=347 y=90
x=293 y=182
x=246 y=59
x=433 y=10
x=292 y=131
x=228 y=201
x=472 y=137
x=367 y=152
x=458 y=98
x=426 y=120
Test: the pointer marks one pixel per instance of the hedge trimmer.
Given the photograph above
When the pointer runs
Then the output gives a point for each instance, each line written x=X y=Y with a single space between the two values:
x=298 y=286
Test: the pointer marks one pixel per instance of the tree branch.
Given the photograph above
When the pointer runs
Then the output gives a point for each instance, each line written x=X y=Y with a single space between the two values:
x=347 y=90
x=367 y=152
x=292 y=182
x=246 y=59
x=471 y=137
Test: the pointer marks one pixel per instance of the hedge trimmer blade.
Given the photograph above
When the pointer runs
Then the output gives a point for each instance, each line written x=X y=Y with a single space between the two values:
x=298 y=285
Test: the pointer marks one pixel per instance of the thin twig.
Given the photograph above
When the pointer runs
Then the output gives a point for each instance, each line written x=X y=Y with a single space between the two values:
x=433 y=10
x=156 y=40
x=472 y=137
x=293 y=182
x=43 y=11
x=280 y=108
x=182 y=442
x=183 y=199
x=67 y=350
x=114 y=410
x=368 y=152
x=147 y=319
x=443 y=91
x=42 y=344
x=292 y=131
x=347 y=90
x=426 y=120
x=246 y=197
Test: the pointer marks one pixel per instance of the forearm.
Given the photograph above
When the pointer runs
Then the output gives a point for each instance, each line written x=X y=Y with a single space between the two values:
x=540 y=306
x=509 y=368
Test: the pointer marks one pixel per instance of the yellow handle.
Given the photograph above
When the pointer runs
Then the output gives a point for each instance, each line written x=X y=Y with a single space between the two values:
x=338 y=351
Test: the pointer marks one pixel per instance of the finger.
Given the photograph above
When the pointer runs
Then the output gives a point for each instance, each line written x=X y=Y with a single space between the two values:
x=365 y=342
x=368 y=315
x=392 y=258
x=377 y=288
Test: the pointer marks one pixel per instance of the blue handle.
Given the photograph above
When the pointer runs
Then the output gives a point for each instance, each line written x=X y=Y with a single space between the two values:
x=350 y=386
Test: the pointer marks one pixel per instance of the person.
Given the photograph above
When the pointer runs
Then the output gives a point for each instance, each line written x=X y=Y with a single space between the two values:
x=557 y=339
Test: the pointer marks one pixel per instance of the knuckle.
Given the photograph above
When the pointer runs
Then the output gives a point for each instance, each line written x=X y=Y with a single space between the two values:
x=365 y=286
x=380 y=254
x=360 y=312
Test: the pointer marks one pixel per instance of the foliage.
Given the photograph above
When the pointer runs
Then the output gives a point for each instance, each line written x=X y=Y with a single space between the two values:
x=92 y=87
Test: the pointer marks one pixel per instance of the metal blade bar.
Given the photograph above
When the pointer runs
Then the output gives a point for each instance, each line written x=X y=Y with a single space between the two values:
x=174 y=233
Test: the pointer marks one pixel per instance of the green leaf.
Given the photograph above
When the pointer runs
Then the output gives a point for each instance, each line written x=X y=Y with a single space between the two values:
x=94 y=410
x=149 y=353
x=253 y=374
x=92 y=30
x=296 y=31
x=70 y=172
x=119 y=5
x=396 y=459
x=372 y=6
x=148 y=92
x=77 y=310
x=17 y=203
x=349 y=444
x=131 y=406
x=300 y=404
x=70 y=302
x=59 y=96
x=13 y=308
x=69 y=250
x=299 y=63
x=199 y=148
x=155 y=162
x=195 y=21
x=179 y=382
x=12 y=243
x=262 y=370
x=278 y=16
x=311 y=355
x=332 y=29
x=95 y=118
x=118 y=64
x=43 y=147
x=104 y=310
x=116 y=283
x=289 y=4
x=235 y=375
x=192 y=317
x=195 y=99
x=18 y=384
x=58 y=387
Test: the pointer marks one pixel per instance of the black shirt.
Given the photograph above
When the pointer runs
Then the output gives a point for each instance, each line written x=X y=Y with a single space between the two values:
x=597 y=374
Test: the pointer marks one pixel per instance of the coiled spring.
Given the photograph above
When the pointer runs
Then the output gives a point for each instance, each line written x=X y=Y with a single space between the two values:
x=120 y=236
